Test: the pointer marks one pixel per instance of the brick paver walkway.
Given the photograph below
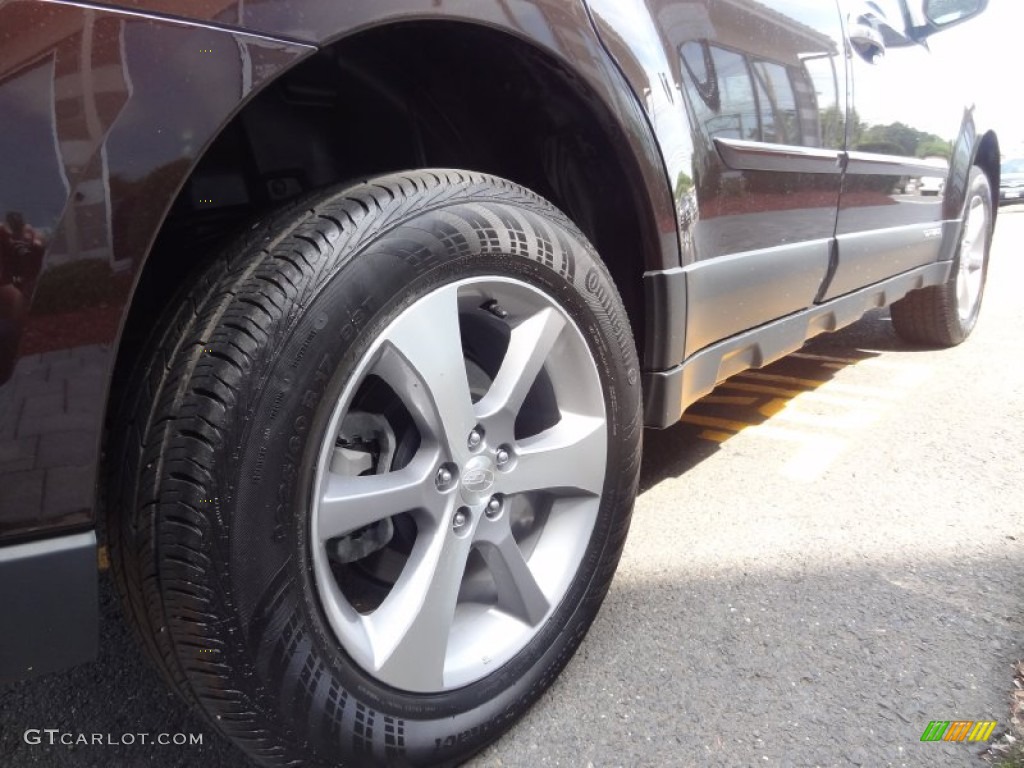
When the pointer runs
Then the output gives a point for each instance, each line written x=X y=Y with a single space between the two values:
x=51 y=413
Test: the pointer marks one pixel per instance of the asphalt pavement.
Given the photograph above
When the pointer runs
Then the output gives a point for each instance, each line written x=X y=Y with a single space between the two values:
x=826 y=555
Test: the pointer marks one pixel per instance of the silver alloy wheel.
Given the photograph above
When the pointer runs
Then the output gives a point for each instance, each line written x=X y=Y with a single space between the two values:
x=500 y=516
x=970 y=275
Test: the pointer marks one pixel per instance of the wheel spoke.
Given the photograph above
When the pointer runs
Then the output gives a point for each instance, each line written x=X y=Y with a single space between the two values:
x=963 y=292
x=519 y=594
x=568 y=457
x=976 y=253
x=350 y=503
x=973 y=287
x=975 y=260
x=528 y=349
x=972 y=259
x=975 y=223
x=423 y=362
x=409 y=631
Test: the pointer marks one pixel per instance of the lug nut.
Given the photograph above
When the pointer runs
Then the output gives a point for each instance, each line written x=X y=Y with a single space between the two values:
x=493 y=508
x=443 y=479
x=460 y=520
x=503 y=457
x=475 y=438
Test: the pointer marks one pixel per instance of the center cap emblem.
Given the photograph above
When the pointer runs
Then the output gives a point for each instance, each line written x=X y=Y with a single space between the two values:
x=477 y=479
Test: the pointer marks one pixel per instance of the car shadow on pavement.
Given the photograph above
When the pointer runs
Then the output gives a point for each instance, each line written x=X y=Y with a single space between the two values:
x=754 y=397
x=829 y=665
x=748 y=399
x=832 y=664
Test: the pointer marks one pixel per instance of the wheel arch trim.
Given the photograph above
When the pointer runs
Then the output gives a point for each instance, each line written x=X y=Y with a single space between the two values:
x=639 y=157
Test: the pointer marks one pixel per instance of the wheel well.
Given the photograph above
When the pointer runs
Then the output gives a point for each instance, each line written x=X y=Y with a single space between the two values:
x=987 y=158
x=413 y=95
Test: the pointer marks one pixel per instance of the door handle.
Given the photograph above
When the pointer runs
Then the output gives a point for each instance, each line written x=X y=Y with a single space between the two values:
x=866 y=38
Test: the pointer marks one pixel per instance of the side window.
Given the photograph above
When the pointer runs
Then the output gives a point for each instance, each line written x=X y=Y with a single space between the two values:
x=821 y=78
x=738 y=118
x=700 y=76
x=720 y=91
x=778 y=112
x=736 y=96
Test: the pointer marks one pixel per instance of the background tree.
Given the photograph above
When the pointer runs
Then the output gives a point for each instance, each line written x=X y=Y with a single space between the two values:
x=910 y=141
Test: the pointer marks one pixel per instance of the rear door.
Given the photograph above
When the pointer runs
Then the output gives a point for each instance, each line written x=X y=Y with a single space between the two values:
x=748 y=99
x=903 y=122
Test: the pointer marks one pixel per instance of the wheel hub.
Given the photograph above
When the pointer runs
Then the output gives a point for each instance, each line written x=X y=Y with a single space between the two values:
x=477 y=480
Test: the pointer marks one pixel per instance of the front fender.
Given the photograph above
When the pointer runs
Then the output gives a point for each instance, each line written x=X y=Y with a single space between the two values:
x=105 y=113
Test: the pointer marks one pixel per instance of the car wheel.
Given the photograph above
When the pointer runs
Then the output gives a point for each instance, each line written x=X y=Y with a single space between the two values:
x=378 y=470
x=944 y=315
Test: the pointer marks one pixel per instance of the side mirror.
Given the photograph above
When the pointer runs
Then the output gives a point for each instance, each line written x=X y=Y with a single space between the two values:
x=942 y=14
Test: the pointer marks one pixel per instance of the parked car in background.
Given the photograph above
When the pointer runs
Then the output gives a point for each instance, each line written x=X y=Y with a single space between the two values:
x=337 y=324
x=931 y=185
x=935 y=183
x=1011 y=181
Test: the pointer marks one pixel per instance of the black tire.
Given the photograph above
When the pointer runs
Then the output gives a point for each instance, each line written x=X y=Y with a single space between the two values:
x=934 y=316
x=214 y=454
